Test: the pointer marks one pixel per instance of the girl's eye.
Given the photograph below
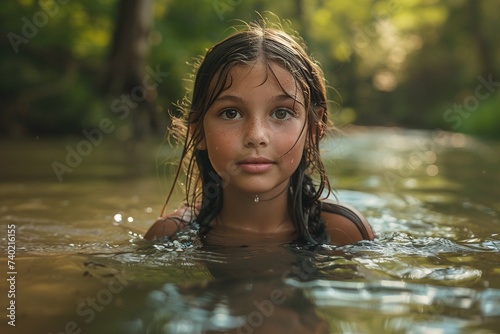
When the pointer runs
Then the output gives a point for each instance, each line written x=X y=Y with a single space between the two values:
x=230 y=114
x=283 y=114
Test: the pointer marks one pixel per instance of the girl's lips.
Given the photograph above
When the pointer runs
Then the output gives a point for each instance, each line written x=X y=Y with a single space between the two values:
x=256 y=168
x=255 y=165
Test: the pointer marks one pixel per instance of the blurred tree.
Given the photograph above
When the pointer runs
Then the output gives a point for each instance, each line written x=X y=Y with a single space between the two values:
x=484 y=55
x=126 y=75
x=50 y=65
x=390 y=62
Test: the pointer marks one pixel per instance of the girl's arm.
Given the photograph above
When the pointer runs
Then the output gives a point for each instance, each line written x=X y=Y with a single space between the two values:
x=344 y=224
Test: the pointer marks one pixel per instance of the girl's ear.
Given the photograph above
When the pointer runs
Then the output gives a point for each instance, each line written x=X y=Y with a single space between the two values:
x=319 y=125
x=202 y=145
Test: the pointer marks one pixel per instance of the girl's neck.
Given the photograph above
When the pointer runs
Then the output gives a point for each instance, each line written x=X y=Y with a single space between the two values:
x=266 y=214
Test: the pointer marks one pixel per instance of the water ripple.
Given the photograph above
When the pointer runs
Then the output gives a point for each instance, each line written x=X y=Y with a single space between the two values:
x=400 y=297
x=397 y=244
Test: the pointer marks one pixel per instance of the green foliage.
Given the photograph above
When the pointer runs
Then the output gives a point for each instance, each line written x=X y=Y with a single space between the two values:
x=401 y=62
x=484 y=121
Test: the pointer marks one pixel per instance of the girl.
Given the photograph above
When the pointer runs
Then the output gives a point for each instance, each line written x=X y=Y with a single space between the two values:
x=251 y=146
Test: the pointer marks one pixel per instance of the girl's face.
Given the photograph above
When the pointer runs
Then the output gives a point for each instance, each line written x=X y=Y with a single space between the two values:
x=255 y=131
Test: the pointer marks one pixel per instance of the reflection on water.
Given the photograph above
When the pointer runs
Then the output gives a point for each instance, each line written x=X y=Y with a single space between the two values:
x=432 y=198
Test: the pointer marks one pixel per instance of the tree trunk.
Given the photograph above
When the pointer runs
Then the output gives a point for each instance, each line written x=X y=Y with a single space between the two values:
x=127 y=64
x=484 y=55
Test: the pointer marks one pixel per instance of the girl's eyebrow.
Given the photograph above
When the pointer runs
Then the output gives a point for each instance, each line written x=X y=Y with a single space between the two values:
x=236 y=99
x=284 y=98
x=228 y=98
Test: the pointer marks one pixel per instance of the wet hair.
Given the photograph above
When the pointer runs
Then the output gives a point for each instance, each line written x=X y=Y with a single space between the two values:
x=203 y=186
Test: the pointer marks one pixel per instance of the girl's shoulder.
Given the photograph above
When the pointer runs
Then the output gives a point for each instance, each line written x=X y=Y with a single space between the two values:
x=170 y=224
x=344 y=224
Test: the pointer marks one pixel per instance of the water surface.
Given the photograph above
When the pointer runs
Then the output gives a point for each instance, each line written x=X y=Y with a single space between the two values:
x=80 y=263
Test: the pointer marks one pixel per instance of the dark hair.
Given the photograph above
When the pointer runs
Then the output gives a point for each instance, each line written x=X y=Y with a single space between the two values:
x=203 y=185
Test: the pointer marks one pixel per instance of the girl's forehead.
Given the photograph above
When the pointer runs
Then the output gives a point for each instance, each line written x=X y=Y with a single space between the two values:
x=258 y=73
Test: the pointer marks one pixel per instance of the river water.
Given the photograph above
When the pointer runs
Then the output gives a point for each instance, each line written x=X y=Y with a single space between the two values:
x=81 y=266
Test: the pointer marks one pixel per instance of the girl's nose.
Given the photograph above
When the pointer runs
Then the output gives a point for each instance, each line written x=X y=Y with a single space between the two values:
x=257 y=133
